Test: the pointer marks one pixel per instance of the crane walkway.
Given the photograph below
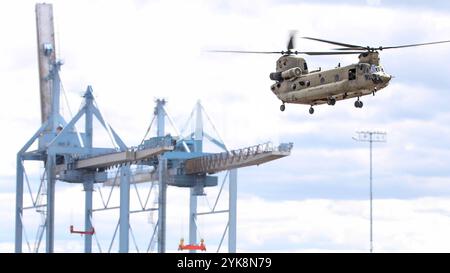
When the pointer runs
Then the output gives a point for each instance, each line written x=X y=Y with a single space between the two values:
x=213 y=163
x=114 y=159
x=249 y=156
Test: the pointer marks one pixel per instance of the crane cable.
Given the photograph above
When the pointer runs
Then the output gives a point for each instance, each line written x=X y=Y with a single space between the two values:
x=148 y=130
x=66 y=100
x=107 y=127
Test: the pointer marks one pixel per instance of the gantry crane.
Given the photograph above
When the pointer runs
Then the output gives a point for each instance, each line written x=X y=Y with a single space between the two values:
x=69 y=156
x=191 y=167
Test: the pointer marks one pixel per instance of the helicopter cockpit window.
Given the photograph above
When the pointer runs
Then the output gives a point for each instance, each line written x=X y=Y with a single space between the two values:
x=373 y=69
x=352 y=74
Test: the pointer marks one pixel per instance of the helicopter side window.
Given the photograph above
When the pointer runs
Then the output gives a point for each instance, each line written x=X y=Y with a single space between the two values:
x=322 y=80
x=302 y=83
x=336 y=78
x=305 y=66
x=352 y=74
x=308 y=83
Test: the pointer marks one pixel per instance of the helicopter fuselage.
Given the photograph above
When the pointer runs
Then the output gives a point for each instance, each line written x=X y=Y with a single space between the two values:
x=319 y=87
x=341 y=83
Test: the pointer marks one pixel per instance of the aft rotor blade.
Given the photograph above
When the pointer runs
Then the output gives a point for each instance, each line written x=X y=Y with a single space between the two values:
x=334 y=43
x=251 y=52
x=288 y=53
x=391 y=47
x=412 y=45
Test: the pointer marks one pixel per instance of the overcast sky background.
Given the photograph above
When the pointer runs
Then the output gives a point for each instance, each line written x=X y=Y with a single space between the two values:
x=132 y=52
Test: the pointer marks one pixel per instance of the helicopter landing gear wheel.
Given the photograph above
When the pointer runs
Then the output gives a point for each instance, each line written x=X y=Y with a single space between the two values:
x=331 y=101
x=358 y=104
x=282 y=107
x=311 y=110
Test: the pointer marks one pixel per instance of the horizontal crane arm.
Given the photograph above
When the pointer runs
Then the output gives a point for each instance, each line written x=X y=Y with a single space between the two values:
x=212 y=163
x=254 y=155
x=113 y=159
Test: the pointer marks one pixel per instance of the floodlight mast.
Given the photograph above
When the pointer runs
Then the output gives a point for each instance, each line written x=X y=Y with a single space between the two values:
x=370 y=136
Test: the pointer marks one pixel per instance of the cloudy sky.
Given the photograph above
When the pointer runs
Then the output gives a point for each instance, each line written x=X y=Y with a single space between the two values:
x=132 y=52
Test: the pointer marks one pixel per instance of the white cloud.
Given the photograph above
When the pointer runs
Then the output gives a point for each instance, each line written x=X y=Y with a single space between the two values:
x=373 y=2
x=399 y=225
x=414 y=225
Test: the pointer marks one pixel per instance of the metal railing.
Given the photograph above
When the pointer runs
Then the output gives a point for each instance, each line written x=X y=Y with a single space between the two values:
x=240 y=157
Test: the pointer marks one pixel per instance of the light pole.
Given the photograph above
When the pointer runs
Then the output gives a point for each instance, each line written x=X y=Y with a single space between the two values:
x=370 y=136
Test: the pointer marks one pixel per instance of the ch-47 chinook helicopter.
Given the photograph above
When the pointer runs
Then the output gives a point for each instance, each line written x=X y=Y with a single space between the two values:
x=294 y=83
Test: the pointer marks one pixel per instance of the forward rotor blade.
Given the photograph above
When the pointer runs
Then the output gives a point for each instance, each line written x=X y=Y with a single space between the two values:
x=291 y=43
x=334 y=43
x=243 y=51
x=353 y=48
x=329 y=53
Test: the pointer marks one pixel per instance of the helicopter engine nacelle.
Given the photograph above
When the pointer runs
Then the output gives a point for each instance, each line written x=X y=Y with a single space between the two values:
x=291 y=73
x=276 y=76
x=286 y=75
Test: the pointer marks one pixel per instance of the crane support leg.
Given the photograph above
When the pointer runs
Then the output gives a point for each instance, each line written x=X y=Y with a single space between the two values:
x=88 y=188
x=50 y=219
x=124 y=222
x=162 y=206
x=232 y=213
x=19 y=205
x=192 y=217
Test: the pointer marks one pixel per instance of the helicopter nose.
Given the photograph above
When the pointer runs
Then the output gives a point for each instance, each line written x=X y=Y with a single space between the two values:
x=385 y=78
x=379 y=78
